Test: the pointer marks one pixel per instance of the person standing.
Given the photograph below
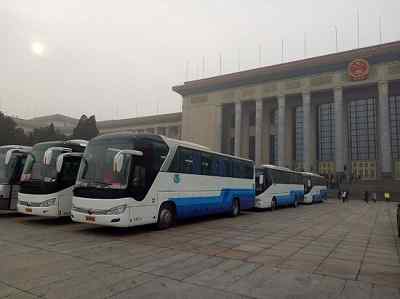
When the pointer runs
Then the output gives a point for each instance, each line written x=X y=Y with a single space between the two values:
x=373 y=196
x=386 y=195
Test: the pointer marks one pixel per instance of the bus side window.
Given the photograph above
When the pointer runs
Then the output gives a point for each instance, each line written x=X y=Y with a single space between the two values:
x=206 y=164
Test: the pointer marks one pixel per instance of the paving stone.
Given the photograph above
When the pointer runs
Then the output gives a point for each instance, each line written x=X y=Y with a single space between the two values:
x=380 y=274
x=339 y=268
x=165 y=288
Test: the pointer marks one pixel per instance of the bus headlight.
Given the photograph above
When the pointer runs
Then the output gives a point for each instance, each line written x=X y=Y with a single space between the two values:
x=116 y=210
x=48 y=203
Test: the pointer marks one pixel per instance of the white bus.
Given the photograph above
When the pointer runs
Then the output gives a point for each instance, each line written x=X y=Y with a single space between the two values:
x=315 y=188
x=278 y=186
x=12 y=160
x=128 y=180
x=50 y=172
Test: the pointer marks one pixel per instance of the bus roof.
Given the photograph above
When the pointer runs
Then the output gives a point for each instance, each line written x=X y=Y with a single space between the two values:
x=15 y=147
x=311 y=174
x=169 y=141
x=277 y=167
x=199 y=147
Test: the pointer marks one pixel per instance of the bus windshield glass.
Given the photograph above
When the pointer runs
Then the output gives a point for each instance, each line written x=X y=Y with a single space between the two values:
x=97 y=164
x=34 y=167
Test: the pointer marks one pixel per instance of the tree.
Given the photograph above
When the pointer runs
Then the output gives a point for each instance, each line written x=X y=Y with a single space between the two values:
x=86 y=128
x=45 y=134
x=9 y=133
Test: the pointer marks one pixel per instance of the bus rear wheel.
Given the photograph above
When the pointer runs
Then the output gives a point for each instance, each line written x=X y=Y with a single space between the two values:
x=166 y=217
x=235 y=208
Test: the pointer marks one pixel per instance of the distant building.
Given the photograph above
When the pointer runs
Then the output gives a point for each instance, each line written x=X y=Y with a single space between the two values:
x=333 y=114
x=165 y=124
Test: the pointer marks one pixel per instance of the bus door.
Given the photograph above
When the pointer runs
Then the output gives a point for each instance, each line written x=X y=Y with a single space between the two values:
x=66 y=179
x=307 y=185
x=143 y=174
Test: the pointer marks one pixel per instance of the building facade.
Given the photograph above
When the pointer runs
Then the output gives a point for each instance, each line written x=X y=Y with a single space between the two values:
x=333 y=114
x=169 y=125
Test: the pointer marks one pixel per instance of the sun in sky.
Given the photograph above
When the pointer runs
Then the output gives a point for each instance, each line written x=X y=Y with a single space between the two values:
x=37 y=48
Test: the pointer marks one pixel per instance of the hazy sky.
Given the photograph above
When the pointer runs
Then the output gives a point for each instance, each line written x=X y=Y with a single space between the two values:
x=120 y=58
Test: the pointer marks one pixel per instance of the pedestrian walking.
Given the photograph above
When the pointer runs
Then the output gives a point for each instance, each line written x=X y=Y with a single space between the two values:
x=344 y=196
x=366 y=195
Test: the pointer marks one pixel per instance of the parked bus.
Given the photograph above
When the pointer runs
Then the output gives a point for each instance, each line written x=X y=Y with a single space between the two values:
x=50 y=172
x=315 y=188
x=12 y=160
x=278 y=186
x=130 y=179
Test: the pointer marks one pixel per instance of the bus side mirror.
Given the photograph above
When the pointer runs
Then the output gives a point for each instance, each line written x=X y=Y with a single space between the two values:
x=8 y=157
x=59 y=163
x=118 y=161
x=261 y=179
x=48 y=154
x=47 y=157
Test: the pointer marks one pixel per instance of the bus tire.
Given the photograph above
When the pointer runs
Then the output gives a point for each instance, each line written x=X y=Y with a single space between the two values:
x=274 y=204
x=166 y=216
x=295 y=203
x=235 y=208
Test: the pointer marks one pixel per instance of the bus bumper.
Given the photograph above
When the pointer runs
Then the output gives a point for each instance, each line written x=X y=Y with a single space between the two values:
x=30 y=205
x=262 y=204
x=121 y=220
x=307 y=199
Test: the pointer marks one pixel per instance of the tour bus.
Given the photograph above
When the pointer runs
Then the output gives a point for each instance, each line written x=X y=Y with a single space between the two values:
x=128 y=179
x=50 y=172
x=315 y=188
x=278 y=186
x=12 y=160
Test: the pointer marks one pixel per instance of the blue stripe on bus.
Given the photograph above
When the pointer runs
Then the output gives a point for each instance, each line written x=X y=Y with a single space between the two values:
x=195 y=206
x=285 y=200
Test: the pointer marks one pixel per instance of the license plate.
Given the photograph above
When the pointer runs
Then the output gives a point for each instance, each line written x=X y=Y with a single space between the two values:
x=29 y=210
x=90 y=218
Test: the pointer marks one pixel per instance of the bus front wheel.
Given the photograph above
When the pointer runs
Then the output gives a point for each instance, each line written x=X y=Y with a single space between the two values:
x=235 y=208
x=166 y=216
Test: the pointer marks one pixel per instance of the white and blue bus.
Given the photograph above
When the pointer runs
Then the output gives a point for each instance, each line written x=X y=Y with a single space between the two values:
x=315 y=188
x=50 y=172
x=278 y=186
x=128 y=179
x=12 y=160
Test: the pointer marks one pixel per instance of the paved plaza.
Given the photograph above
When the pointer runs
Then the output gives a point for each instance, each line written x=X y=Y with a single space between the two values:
x=329 y=250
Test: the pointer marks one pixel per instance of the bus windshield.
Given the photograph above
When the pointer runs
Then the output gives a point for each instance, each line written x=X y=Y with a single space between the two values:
x=34 y=167
x=97 y=164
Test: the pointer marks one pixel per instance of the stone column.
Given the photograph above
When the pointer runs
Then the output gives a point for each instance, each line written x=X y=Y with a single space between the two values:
x=307 y=131
x=167 y=132
x=238 y=127
x=218 y=128
x=339 y=130
x=385 y=151
x=259 y=131
x=282 y=131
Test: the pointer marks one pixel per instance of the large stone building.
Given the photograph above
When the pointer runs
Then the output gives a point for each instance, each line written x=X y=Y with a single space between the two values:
x=163 y=124
x=338 y=113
